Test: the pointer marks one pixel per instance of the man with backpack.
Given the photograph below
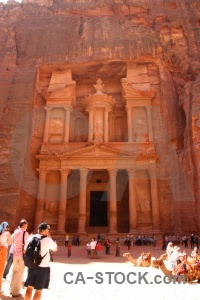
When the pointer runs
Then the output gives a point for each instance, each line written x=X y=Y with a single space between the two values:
x=39 y=273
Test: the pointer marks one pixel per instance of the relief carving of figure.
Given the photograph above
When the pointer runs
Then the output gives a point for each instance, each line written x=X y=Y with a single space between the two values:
x=98 y=127
x=145 y=210
x=119 y=135
x=140 y=130
x=50 y=206
x=57 y=126
x=98 y=132
x=99 y=86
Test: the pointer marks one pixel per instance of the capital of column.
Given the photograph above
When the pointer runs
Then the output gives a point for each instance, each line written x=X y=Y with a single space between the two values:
x=65 y=172
x=48 y=108
x=112 y=172
x=42 y=172
x=152 y=169
x=68 y=108
x=148 y=107
x=84 y=172
x=131 y=172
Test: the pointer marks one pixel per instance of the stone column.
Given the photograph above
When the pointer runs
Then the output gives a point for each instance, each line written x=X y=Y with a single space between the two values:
x=154 y=197
x=91 y=126
x=106 y=126
x=62 y=200
x=40 y=198
x=132 y=201
x=47 y=124
x=113 y=202
x=82 y=201
x=149 y=122
x=130 y=125
x=67 y=123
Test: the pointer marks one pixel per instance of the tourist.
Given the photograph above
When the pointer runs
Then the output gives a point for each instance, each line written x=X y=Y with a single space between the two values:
x=38 y=278
x=9 y=260
x=88 y=249
x=5 y=241
x=98 y=248
x=175 y=256
x=169 y=251
x=192 y=241
x=66 y=240
x=128 y=242
x=92 y=248
x=19 y=239
x=117 y=247
x=107 y=245
x=194 y=253
x=69 y=249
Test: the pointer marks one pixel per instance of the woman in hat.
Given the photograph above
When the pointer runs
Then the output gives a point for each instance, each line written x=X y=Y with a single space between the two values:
x=5 y=241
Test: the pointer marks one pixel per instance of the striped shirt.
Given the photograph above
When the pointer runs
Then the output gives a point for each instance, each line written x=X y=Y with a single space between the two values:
x=18 y=241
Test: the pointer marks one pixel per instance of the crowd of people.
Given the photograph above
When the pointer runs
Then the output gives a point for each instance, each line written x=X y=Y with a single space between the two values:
x=38 y=278
x=178 y=261
x=185 y=240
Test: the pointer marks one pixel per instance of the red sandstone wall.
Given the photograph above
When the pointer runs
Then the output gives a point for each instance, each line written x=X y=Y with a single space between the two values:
x=163 y=33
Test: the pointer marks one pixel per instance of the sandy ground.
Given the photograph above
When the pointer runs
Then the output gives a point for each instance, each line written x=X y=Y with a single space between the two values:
x=109 y=277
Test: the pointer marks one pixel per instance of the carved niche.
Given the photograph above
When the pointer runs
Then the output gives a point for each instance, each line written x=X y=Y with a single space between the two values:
x=140 y=125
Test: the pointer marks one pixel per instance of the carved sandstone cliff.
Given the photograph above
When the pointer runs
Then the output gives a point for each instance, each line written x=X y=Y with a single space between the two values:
x=153 y=43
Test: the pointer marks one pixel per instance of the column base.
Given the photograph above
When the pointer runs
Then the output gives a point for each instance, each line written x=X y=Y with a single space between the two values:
x=81 y=232
x=133 y=231
x=61 y=231
x=113 y=232
x=156 y=231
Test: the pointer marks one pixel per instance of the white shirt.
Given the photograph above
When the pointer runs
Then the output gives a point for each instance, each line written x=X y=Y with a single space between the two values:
x=93 y=245
x=46 y=244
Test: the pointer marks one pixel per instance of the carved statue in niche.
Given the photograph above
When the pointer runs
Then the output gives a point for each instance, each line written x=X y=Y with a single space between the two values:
x=50 y=206
x=79 y=130
x=119 y=126
x=99 y=86
x=140 y=132
x=119 y=135
x=56 y=130
x=145 y=210
x=98 y=131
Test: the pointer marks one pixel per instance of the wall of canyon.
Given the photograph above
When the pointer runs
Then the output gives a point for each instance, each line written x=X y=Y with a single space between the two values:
x=159 y=39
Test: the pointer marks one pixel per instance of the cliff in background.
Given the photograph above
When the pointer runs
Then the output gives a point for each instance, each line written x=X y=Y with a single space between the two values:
x=163 y=34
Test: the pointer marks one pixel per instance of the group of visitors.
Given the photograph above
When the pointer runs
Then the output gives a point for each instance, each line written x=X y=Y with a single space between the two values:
x=94 y=247
x=38 y=278
x=175 y=257
x=184 y=240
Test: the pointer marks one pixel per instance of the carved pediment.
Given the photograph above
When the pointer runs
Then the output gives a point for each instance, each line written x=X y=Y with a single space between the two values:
x=94 y=151
x=130 y=91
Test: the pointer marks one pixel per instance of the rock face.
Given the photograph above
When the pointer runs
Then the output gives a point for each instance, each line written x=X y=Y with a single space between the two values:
x=52 y=51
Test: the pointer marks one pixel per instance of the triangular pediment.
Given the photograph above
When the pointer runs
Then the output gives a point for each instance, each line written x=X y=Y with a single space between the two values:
x=94 y=151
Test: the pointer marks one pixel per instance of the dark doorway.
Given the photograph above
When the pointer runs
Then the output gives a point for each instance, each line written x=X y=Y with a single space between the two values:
x=98 y=208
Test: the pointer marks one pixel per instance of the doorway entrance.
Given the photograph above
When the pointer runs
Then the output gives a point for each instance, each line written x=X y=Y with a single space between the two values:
x=98 y=208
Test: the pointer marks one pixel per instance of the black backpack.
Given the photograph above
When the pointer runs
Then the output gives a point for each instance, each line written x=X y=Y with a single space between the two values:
x=32 y=257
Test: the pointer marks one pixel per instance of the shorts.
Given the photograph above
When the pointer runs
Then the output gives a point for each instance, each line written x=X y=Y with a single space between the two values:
x=38 y=277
